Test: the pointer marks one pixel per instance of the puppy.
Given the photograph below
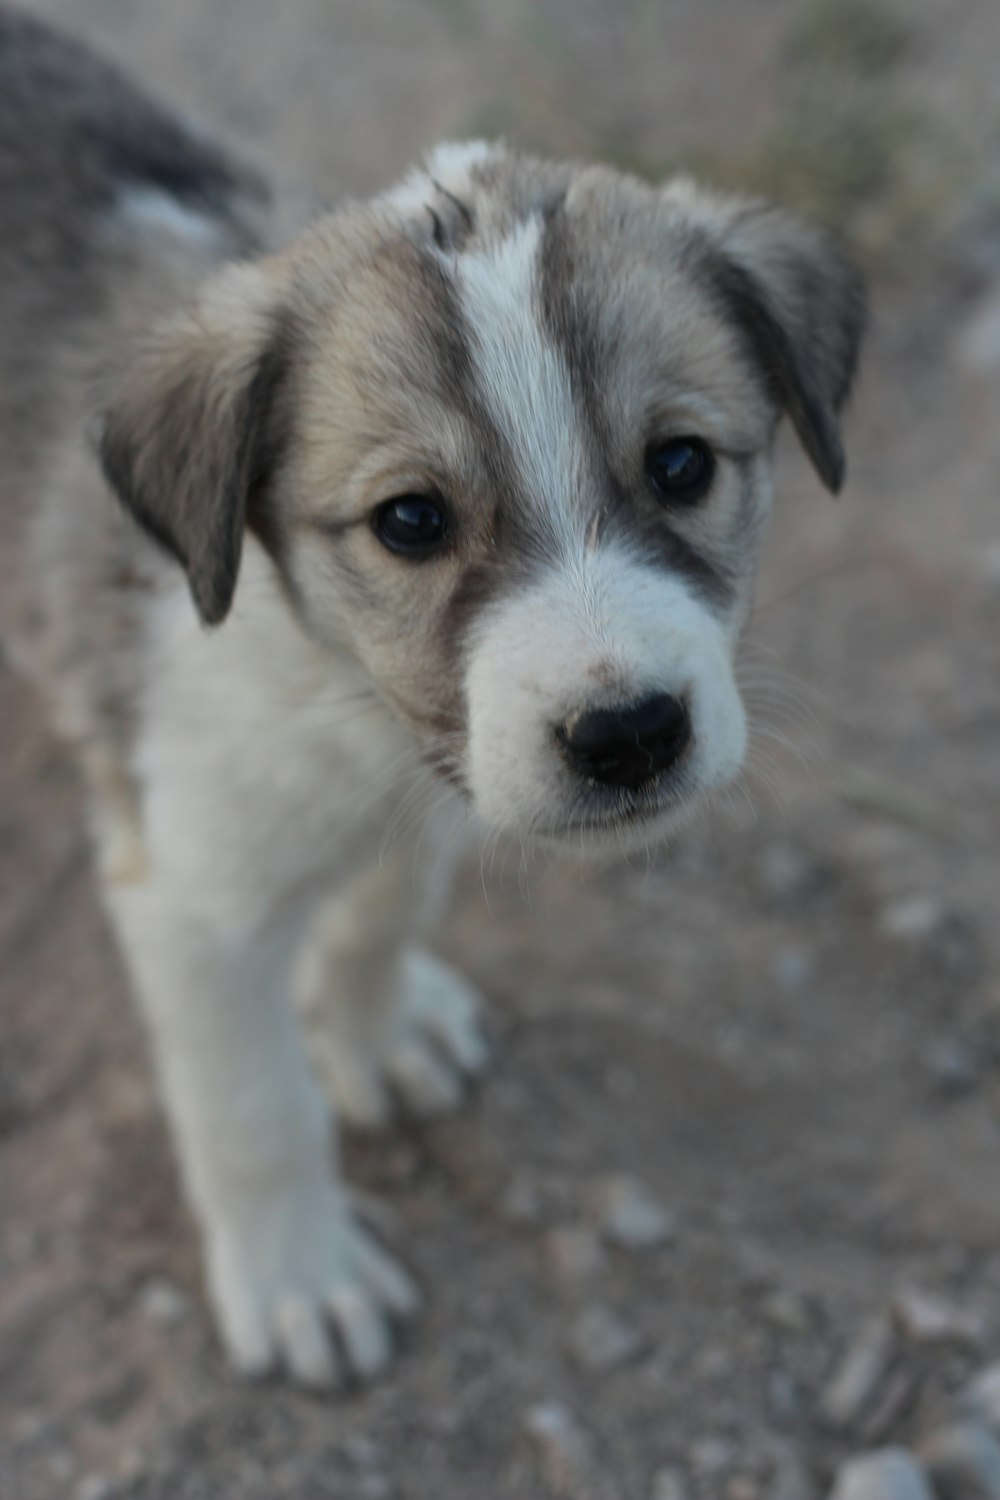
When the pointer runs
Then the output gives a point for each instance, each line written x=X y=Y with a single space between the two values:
x=456 y=494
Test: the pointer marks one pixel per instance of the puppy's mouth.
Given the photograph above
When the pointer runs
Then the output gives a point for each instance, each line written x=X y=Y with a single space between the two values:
x=600 y=817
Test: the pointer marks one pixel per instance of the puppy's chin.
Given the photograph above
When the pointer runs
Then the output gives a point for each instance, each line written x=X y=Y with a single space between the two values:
x=596 y=826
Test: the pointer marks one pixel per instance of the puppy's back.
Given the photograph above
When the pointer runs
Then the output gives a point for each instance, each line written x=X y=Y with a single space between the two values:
x=111 y=214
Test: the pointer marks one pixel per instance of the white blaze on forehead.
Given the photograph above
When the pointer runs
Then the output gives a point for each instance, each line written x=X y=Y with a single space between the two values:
x=522 y=378
x=448 y=167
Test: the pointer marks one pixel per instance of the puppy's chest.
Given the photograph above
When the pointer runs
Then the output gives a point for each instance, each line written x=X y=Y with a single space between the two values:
x=261 y=776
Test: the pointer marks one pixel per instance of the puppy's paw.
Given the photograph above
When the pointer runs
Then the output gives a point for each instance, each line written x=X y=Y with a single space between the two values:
x=420 y=1052
x=298 y=1284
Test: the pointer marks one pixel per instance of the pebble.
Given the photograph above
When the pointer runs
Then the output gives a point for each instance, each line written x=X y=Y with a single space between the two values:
x=630 y=1218
x=791 y=967
x=981 y=1397
x=601 y=1342
x=670 y=1484
x=926 y=1318
x=741 y=1487
x=96 y=1487
x=789 y=1480
x=887 y=1474
x=787 y=1310
x=162 y=1302
x=963 y=1462
x=563 y=1448
x=856 y=1380
x=952 y=1067
x=784 y=1400
x=573 y=1253
x=978 y=344
x=711 y=1456
x=912 y=919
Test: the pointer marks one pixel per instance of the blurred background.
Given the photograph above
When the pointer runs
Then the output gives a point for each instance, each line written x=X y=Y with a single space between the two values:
x=781 y=1040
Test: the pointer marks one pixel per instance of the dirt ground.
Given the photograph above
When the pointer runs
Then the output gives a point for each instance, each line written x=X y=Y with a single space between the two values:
x=786 y=1030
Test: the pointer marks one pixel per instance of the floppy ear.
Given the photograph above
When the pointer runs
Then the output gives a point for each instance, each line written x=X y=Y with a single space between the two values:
x=800 y=304
x=191 y=431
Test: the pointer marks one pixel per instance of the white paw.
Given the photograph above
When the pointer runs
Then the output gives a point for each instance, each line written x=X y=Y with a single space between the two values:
x=297 y=1283
x=421 y=1051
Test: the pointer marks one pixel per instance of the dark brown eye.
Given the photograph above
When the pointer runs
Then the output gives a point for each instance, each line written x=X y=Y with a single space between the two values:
x=680 y=471
x=411 y=525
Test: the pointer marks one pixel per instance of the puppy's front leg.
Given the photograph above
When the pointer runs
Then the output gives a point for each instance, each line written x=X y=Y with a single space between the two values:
x=286 y=1260
x=388 y=1021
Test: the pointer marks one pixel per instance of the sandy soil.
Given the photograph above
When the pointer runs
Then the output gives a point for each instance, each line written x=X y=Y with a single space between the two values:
x=787 y=1030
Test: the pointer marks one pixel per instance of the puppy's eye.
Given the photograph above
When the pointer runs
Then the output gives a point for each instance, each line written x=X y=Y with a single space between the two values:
x=680 y=471
x=411 y=525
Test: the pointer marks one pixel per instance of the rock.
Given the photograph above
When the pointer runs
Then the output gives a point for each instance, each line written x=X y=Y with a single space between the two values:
x=963 y=1462
x=888 y=1474
x=790 y=1481
x=977 y=348
x=952 y=1067
x=669 y=1484
x=741 y=1487
x=981 y=1398
x=783 y=1398
x=926 y=1318
x=711 y=1456
x=791 y=967
x=96 y=1487
x=855 y=1382
x=787 y=1310
x=630 y=1218
x=912 y=919
x=162 y=1302
x=895 y=1395
x=563 y=1448
x=573 y=1253
x=601 y=1342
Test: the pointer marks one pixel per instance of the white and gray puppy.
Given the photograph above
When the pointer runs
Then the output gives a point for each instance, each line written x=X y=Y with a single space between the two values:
x=469 y=483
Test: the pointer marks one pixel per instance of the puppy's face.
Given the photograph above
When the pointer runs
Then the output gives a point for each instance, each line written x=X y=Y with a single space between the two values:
x=506 y=433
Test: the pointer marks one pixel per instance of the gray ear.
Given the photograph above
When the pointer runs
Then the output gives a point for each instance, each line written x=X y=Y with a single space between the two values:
x=800 y=303
x=189 y=435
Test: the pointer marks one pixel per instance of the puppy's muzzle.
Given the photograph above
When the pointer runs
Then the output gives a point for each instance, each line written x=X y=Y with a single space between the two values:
x=627 y=746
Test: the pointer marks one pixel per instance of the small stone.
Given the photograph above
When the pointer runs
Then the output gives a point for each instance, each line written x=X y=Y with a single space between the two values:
x=912 y=919
x=96 y=1487
x=162 y=1302
x=787 y=1310
x=711 y=1456
x=981 y=1398
x=927 y=1318
x=856 y=1380
x=601 y=1342
x=741 y=1487
x=373 y=1486
x=669 y=1484
x=978 y=344
x=952 y=1068
x=783 y=1398
x=573 y=1253
x=563 y=1448
x=630 y=1218
x=963 y=1462
x=791 y=968
x=887 y=1474
x=523 y=1202
x=789 y=1481
x=895 y=1395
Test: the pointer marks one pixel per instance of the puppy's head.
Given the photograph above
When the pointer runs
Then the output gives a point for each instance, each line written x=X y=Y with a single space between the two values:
x=506 y=433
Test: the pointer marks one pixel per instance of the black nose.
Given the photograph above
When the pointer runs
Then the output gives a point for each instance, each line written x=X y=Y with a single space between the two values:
x=627 y=746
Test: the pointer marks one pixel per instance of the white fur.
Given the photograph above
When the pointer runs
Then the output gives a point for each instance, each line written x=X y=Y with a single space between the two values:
x=599 y=627
x=524 y=380
x=260 y=795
